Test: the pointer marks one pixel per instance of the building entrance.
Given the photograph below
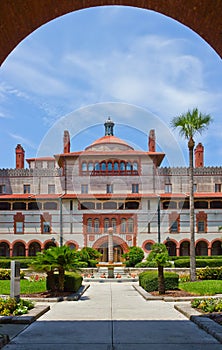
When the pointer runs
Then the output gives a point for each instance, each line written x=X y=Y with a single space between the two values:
x=117 y=252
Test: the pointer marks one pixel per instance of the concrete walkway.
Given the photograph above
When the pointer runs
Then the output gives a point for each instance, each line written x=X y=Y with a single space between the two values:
x=113 y=316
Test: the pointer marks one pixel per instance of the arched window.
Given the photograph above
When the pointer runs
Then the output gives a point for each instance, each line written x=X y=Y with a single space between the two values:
x=130 y=226
x=128 y=166
x=89 y=226
x=113 y=222
x=84 y=166
x=90 y=166
x=135 y=166
x=96 y=225
x=116 y=166
x=97 y=167
x=106 y=225
x=103 y=166
x=123 y=226
x=122 y=166
x=110 y=166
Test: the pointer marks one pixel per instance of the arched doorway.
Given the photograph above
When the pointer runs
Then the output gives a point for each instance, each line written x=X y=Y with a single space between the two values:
x=34 y=248
x=117 y=252
x=185 y=248
x=4 y=249
x=18 y=249
x=19 y=19
x=119 y=247
x=49 y=244
x=171 y=247
x=201 y=248
x=216 y=248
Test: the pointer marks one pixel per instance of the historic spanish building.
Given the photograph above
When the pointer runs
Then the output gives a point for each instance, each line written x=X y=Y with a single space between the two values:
x=73 y=198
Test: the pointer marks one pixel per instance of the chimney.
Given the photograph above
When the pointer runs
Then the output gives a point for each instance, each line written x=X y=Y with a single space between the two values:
x=20 y=157
x=199 y=156
x=66 y=142
x=152 y=141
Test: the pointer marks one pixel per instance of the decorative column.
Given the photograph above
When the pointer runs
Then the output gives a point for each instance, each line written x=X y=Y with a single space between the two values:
x=110 y=253
x=110 y=245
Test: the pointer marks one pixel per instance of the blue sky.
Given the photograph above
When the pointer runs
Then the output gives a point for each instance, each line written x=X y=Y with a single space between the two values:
x=137 y=66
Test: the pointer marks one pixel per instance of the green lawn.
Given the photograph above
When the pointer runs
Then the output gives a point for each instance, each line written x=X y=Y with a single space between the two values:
x=205 y=287
x=26 y=287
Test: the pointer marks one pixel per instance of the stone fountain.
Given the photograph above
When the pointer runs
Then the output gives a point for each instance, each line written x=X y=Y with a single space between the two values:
x=111 y=264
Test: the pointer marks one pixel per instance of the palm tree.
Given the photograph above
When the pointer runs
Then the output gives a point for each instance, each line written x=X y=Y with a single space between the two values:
x=59 y=259
x=189 y=124
x=160 y=255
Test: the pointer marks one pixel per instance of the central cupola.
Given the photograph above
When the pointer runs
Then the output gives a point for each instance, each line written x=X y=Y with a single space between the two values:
x=109 y=142
x=109 y=124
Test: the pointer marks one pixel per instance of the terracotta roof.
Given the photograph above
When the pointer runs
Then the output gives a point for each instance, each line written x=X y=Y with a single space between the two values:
x=108 y=139
x=40 y=159
x=29 y=196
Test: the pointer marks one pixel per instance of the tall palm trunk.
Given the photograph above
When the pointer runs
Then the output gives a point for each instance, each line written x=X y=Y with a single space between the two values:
x=161 y=282
x=192 y=231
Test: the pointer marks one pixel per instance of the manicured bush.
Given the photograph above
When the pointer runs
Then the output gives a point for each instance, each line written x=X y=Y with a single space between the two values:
x=209 y=273
x=151 y=264
x=199 y=263
x=72 y=283
x=133 y=256
x=148 y=280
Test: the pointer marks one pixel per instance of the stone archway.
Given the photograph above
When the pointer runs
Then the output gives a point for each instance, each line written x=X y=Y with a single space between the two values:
x=21 y=18
x=119 y=247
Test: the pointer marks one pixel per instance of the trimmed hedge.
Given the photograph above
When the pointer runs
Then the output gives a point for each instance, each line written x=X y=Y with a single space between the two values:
x=151 y=264
x=24 y=262
x=199 y=263
x=173 y=258
x=73 y=282
x=148 y=280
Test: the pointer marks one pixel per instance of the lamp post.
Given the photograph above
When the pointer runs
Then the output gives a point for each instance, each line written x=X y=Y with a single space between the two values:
x=60 y=222
x=158 y=218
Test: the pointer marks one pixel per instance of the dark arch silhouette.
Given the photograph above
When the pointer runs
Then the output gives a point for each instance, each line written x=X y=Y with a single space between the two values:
x=19 y=18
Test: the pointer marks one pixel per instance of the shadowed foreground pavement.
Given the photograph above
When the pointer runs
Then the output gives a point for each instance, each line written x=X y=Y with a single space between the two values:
x=113 y=316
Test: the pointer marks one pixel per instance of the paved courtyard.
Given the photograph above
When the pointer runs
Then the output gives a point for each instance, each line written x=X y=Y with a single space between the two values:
x=113 y=316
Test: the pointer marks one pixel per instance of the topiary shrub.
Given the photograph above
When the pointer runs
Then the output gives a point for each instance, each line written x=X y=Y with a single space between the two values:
x=133 y=256
x=148 y=280
x=72 y=282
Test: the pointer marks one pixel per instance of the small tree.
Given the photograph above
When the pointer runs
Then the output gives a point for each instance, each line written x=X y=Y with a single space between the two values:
x=160 y=255
x=59 y=259
x=133 y=256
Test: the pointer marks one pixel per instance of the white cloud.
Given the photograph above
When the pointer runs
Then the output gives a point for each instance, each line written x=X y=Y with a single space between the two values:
x=22 y=140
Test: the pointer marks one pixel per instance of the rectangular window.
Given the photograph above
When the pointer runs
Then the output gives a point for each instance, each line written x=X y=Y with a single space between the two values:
x=109 y=188
x=174 y=227
x=2 y=189
x=195 y=188
x=71 y=205
x=71 y=227
x=51 y=189
x=46 y=227
x=217 y=187
x=148 y=227
x=200 y=227
x=84 y=188
x=26 y=188
x=19 y=227
x=148 y=204
x=135 y=188
x=168 y=188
